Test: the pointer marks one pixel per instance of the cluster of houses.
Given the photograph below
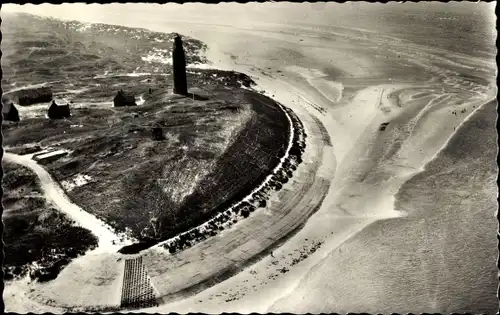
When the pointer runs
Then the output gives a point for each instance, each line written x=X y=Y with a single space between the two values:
x=30 y=96
x=35 y=95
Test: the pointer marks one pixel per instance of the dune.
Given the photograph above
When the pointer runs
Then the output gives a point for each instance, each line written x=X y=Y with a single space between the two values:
x=55 y=194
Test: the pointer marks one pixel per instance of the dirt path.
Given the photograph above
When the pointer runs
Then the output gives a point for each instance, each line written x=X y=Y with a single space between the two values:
x=108 y=240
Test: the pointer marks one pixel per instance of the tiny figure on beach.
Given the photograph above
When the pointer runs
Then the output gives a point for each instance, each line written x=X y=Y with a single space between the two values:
x=272 y=254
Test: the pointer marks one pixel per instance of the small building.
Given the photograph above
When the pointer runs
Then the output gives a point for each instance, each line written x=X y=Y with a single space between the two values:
x=31 y=96
x=58 y=111
x=124 y=99
x=10 y=112
x=47 y=157
x=157 y=133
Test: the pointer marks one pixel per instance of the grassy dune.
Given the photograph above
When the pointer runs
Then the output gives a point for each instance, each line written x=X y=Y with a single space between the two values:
x=51 y=50
x=215 y=151
x=219 y=144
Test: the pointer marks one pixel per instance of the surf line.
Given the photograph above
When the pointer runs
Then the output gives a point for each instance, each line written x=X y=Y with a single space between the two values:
x=445 y=144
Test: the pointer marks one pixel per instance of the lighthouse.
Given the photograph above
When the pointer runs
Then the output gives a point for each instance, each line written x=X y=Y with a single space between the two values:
x=179 y=65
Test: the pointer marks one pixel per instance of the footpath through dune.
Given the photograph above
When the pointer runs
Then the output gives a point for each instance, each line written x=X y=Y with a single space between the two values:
x=108 y=240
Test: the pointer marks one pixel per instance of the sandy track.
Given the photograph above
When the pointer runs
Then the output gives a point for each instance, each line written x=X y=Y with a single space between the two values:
x=55 y=195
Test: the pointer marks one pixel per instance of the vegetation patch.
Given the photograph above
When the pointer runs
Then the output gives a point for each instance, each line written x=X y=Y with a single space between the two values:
x=246 y=204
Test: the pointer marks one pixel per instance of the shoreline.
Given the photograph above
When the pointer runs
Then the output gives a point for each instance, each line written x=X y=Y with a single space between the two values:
x=296 y=133
x=438 y=221
x=368 y=223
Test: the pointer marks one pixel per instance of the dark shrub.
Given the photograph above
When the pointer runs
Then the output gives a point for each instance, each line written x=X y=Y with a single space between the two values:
x=8 y=276
x=245 y=213
x=246 y=203
x=48 y=274
x=262 y=203
x=17 y=270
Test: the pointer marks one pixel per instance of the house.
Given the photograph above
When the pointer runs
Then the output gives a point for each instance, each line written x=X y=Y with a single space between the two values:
x=10 y=112
x=124 y=99
x=58 y=111
x=31 y=96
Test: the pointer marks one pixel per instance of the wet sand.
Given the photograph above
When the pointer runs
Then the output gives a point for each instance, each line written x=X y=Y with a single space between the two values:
x=440 y=258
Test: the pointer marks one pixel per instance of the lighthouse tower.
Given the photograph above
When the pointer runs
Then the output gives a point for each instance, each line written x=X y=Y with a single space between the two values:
x=179 y=65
